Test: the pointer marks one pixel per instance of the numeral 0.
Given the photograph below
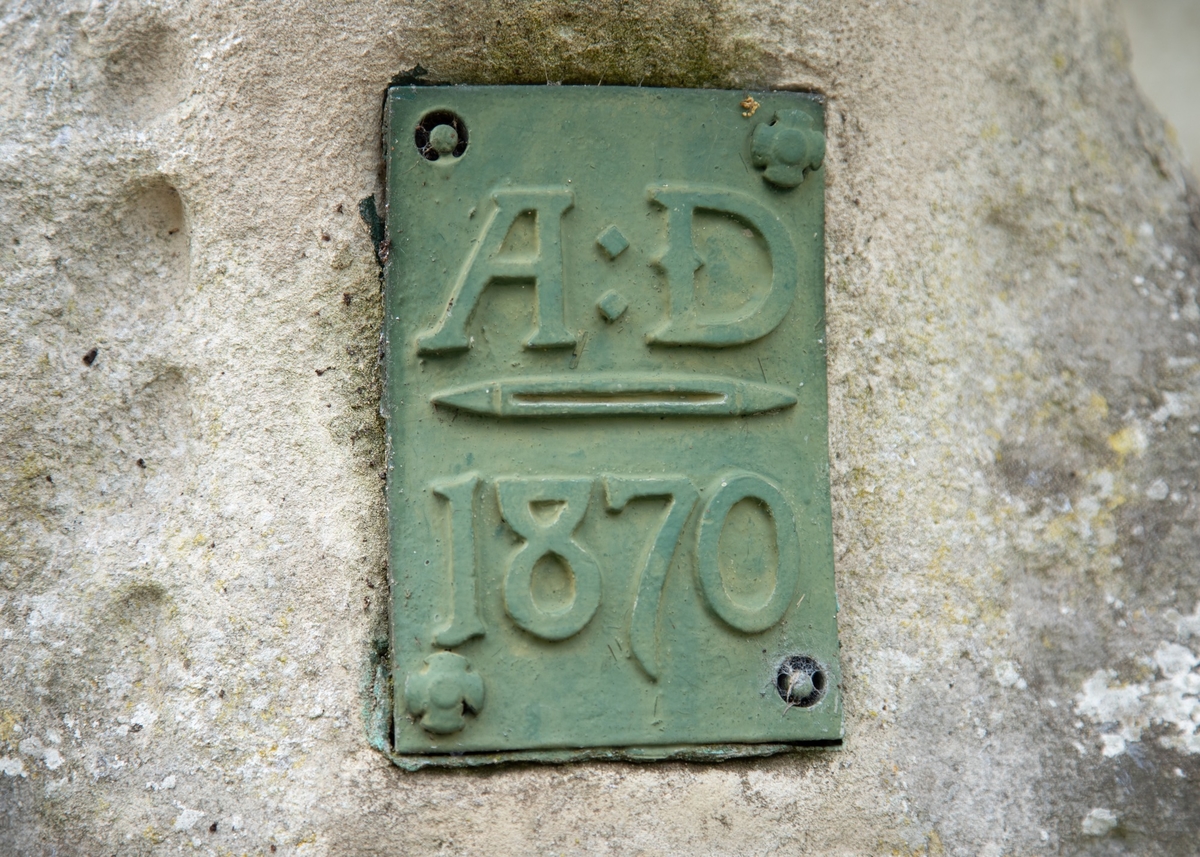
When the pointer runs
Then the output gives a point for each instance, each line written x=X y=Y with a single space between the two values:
x=724 y=494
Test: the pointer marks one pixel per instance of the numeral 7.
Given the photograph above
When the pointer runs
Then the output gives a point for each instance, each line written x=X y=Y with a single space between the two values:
x=681 y=495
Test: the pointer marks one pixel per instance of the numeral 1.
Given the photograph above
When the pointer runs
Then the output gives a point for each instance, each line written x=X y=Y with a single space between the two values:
x=459 y=494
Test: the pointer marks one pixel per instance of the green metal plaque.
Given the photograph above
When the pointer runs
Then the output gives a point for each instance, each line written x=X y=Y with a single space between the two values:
x=606 y=402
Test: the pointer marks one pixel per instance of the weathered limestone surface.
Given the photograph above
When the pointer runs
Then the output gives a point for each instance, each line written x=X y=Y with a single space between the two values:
x=192 y=582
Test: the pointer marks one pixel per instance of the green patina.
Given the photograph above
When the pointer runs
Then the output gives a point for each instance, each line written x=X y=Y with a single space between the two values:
x=605 y=390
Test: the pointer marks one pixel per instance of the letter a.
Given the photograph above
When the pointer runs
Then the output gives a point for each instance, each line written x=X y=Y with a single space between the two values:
x=484 y=266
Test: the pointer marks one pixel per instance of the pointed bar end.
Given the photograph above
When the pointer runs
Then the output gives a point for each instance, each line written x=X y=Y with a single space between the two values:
x=475 y=400
x=759 y=399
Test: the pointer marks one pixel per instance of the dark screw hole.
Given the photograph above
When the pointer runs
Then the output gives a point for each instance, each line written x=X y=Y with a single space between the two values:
x=428 y=140
x=800 y=681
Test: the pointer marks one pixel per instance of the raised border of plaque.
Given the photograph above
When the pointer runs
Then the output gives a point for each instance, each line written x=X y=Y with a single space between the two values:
x=605 y=393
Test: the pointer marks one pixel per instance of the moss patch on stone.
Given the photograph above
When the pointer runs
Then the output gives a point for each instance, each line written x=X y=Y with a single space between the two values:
x=687 y=43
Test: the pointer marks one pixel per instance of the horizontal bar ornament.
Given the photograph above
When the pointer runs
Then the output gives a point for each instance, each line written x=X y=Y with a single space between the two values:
x=589 y=395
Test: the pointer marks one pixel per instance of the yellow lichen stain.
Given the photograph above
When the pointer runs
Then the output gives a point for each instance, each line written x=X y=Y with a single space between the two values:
x=1060 y=61
x=7 y=726
x=932 y=848
x=153 y=834
x=1115 y=500
x=1130 y=440
x=990 y=133
x=1171 y=133
x=1093 y=151
x=1118 y=49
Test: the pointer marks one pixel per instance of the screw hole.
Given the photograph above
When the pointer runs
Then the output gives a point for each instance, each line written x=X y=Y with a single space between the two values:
x=801 y=681
x=441 y=134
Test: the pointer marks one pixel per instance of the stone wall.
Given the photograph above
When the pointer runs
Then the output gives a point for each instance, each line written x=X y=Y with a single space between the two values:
x=192 y=585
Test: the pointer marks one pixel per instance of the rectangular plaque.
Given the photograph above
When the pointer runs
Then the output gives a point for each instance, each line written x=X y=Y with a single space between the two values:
x=606 y=400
